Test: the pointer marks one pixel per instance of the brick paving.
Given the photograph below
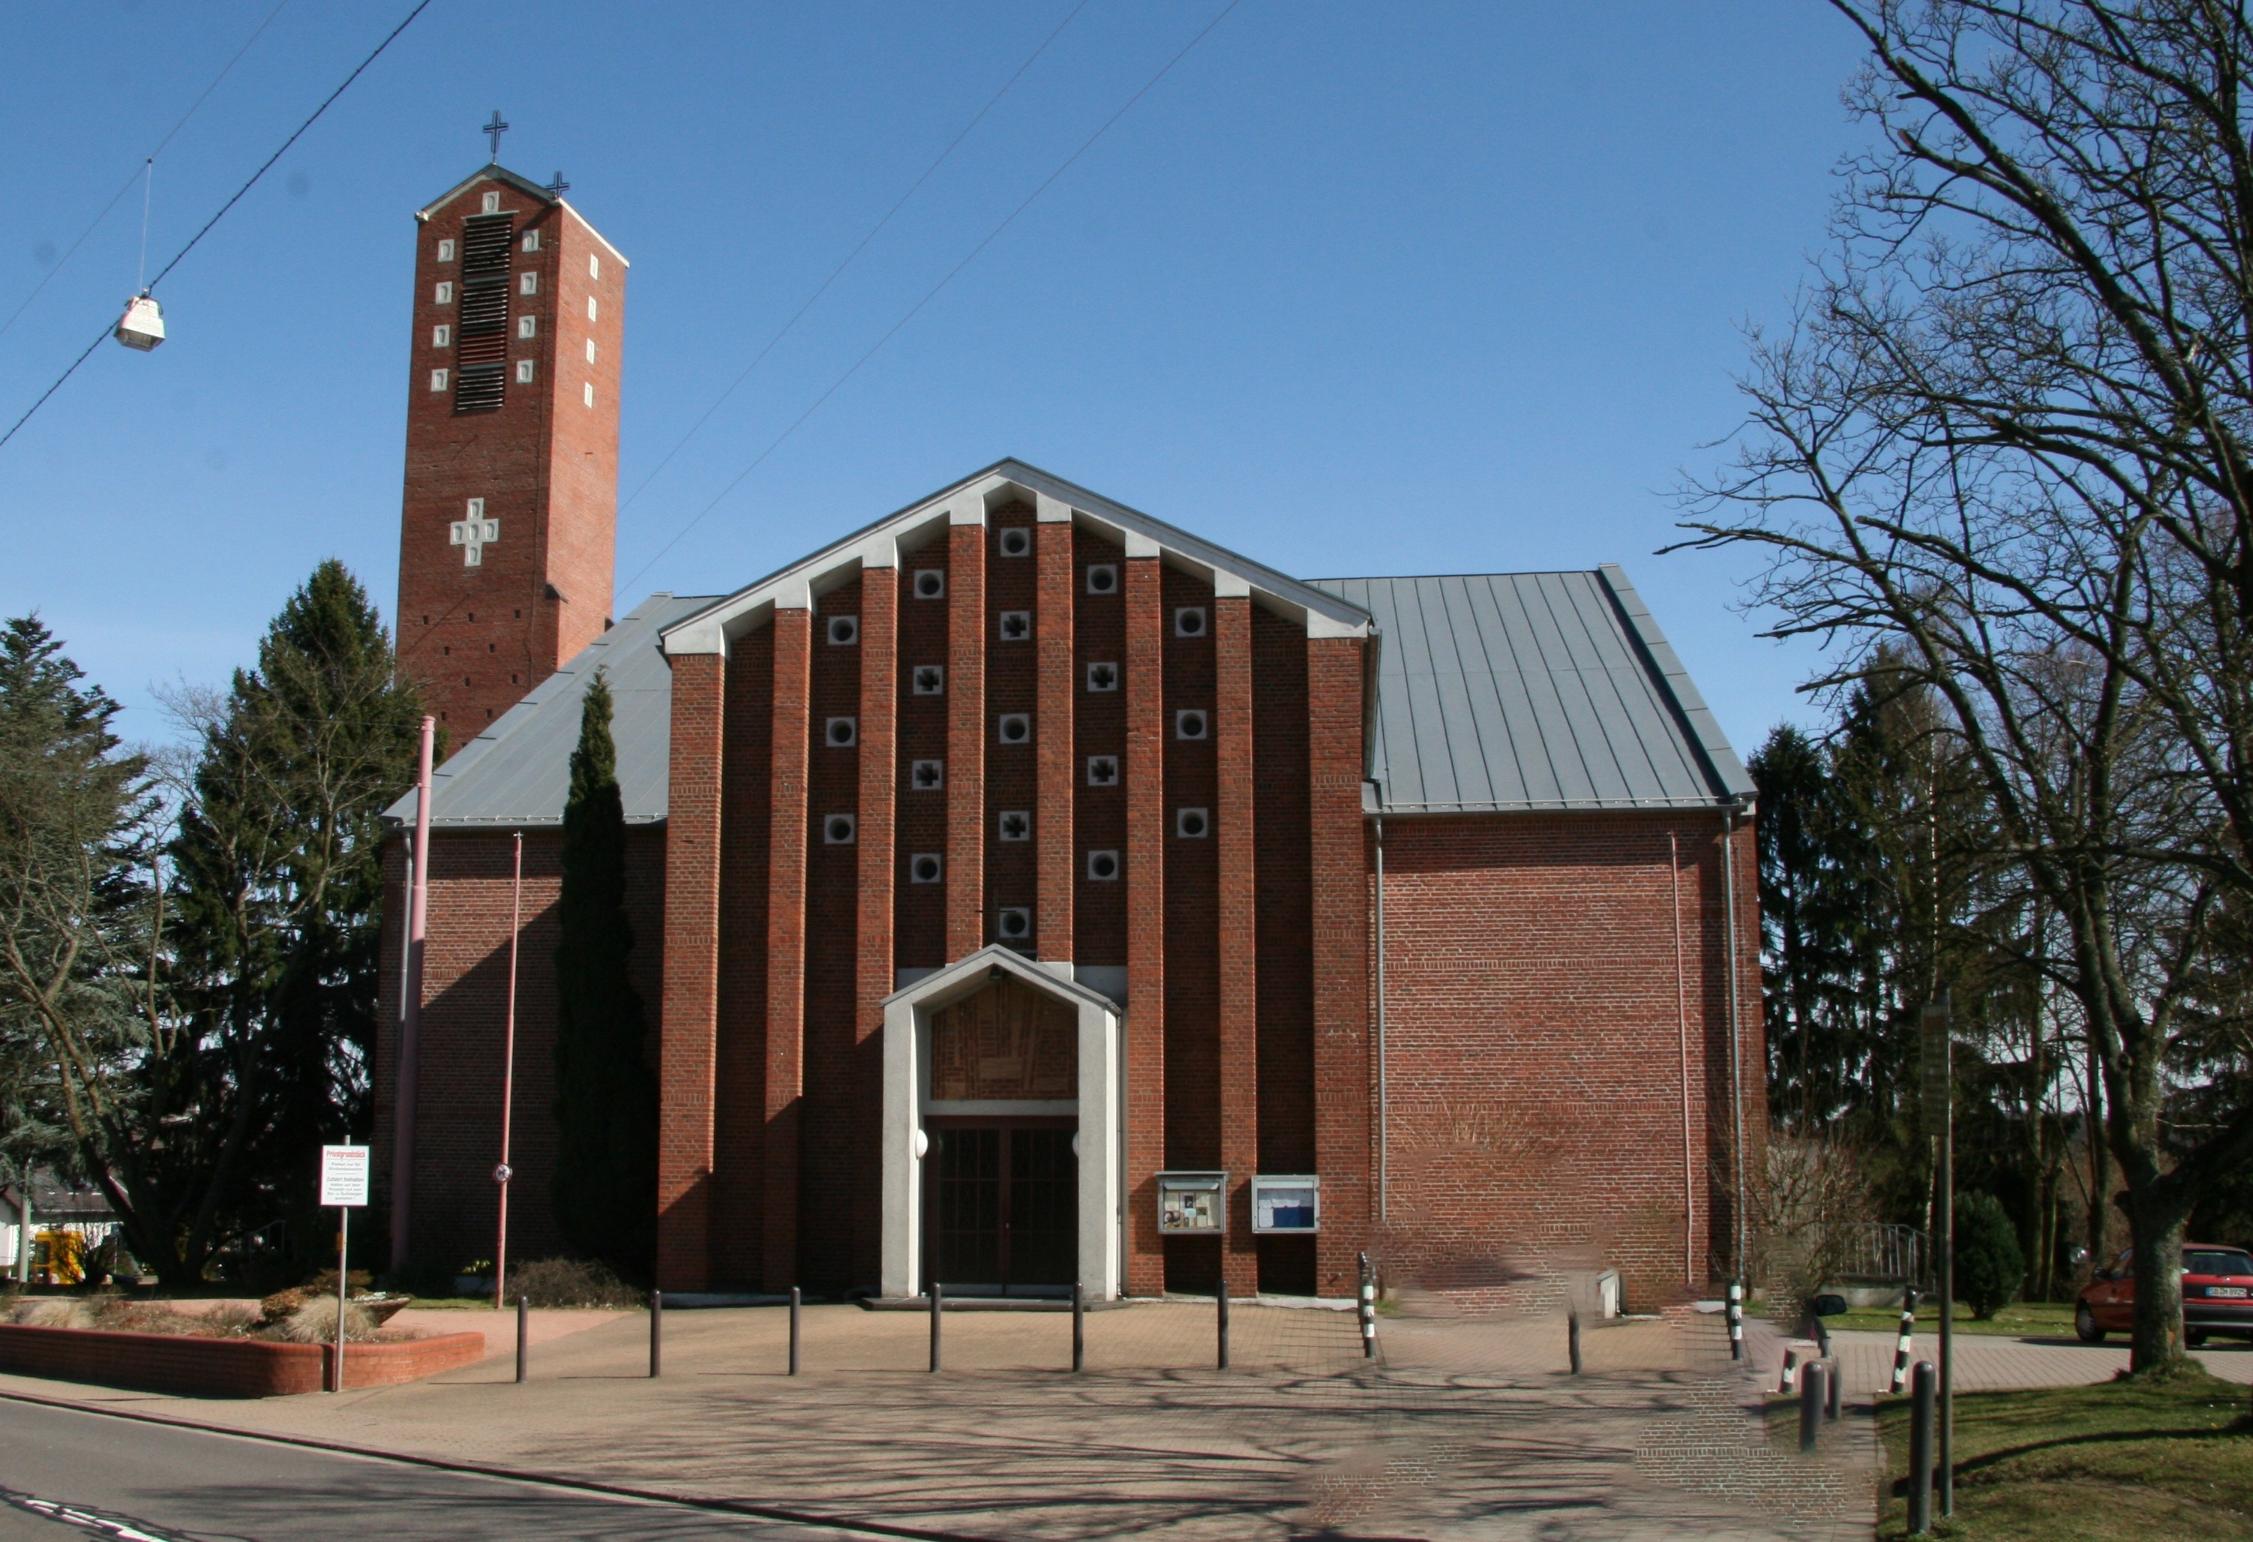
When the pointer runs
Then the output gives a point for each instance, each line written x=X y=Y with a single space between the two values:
x=1465 y=1427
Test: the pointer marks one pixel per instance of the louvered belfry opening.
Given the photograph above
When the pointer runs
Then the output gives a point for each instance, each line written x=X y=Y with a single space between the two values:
x=481 y=338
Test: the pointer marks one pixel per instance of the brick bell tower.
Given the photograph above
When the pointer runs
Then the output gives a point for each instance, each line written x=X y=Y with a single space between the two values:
x=509 y=521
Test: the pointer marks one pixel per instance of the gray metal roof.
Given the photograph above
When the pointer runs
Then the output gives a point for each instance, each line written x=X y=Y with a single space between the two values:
x=516 y=773
x=1519 y=691
x=1496 y=692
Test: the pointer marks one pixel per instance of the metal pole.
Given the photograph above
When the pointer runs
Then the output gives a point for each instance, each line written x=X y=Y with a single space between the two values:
x=1834 y=1383
x=502 y=1173
x=793 y=1330
x=1736 y=1036
x=410 y=1018
x=408 y=1060
x=1811 y=1400
x=656 y=1333
x=1947 y=1318
x=1368 y=1307
x=1736 y=1317
x=1902 y=1345
x=1920 y=1449
x=1079 y=1327
x=1383 y=1110
x=1572 y=1340
x=523 y=1321
x=938 y=1310
x=1224 y=1323
x=343 y=1234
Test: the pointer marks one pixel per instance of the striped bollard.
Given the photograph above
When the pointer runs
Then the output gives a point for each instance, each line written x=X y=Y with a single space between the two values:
x=1736 y=1320
x=1368 y=1310
x=1901 y=1345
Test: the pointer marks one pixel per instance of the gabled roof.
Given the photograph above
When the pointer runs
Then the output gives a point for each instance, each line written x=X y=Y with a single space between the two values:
x=496 y=172
x=1493 y=692
x=880 y=544
x=515 y=775
x=971 y=971
x=1510 y=692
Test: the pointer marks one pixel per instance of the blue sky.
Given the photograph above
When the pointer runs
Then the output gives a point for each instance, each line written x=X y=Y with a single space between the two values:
x=1354 y=289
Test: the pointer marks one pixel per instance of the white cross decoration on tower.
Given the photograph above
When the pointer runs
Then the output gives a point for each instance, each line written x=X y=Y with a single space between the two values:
x=472 y=533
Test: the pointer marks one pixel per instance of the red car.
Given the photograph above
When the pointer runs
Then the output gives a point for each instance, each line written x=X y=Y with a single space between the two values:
x=2217 y=1295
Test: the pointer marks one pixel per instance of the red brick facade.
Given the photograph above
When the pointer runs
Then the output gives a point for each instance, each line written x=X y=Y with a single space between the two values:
x=1547 y=976
x=1005 y=719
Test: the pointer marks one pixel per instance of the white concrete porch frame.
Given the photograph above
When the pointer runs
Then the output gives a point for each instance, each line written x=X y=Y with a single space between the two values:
x=907 y=1017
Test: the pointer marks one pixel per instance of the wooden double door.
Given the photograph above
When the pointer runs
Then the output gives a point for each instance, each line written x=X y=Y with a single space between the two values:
x=1002 y=1206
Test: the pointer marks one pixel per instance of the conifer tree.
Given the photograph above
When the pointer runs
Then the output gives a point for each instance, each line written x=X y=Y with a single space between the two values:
x=276 y=900
x=606 y=1095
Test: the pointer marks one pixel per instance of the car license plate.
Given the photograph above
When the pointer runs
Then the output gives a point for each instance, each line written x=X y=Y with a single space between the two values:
x=2226 y=1290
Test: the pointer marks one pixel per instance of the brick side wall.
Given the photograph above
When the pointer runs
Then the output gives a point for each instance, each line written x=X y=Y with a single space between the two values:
x=465 y=991
x=1339 y=938
x=1284 y=919
x=786 y=946
x=740 y=1098
x=1537 y=1031
x=1099 y=727
x=829 y=1146
x=1146 y=1051
x=689 y=1036
x=878 y=859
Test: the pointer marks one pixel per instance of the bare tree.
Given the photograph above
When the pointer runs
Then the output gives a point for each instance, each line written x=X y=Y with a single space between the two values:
x=2008 y=432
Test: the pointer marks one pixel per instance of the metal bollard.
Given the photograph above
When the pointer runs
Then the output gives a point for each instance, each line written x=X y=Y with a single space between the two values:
x=1079 y=1327
x=938 y=1309
x=1902 y=1345
x=793 y=1330
x=1572 y=1340
x=1811 y=1400
x=1834 y=1383
x=523 y=1331
x=1921 y=1409
x=1224 y=1324
x=656 y=1333
x=1736 y=1315
x=1368 y=1309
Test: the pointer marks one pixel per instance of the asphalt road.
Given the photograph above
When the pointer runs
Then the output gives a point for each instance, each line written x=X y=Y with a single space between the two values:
x=66 y=1473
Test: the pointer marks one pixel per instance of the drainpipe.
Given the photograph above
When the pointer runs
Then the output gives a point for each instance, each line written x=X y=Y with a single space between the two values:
x=1729 y=814
x=1381 y=1106
x=1682 y=1031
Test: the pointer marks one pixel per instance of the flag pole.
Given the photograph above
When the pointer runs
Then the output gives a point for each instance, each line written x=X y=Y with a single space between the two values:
x=502 y=1173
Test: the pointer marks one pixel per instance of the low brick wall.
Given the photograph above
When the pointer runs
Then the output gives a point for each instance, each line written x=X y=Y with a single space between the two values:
x=163 y=1362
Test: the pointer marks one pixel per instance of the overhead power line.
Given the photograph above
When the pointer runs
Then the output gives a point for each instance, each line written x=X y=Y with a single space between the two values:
x=295 y=135
x=127 y=184
x=874 y=231
x=934 y=291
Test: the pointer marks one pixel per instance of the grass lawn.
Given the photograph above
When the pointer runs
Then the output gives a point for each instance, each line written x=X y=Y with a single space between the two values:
x=2021 y=1319
x=2121 y=1459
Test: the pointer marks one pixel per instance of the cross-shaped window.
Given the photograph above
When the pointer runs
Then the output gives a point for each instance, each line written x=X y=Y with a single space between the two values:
x=471 y=533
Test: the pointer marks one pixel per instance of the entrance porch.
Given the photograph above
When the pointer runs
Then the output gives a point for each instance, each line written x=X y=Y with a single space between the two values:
x=1003 y=1140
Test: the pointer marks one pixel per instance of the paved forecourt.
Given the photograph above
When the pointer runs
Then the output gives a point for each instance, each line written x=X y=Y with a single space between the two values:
x=1988 y=1362
x=1464 y=1427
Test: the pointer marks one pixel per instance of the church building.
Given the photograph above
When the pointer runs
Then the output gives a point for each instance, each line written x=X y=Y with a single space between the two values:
x=1028 y=890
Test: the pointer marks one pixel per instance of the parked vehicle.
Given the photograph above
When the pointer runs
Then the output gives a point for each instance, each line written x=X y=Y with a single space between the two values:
x=2217 y=1295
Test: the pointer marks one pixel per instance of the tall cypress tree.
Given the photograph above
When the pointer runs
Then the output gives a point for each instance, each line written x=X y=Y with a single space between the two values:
x=606 y=1095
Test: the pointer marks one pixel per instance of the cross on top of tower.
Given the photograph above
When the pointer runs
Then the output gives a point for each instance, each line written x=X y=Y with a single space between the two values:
x=559 y=187
x=496 y=128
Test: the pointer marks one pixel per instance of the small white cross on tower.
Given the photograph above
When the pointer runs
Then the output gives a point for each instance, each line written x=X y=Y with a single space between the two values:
x=471 y=533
